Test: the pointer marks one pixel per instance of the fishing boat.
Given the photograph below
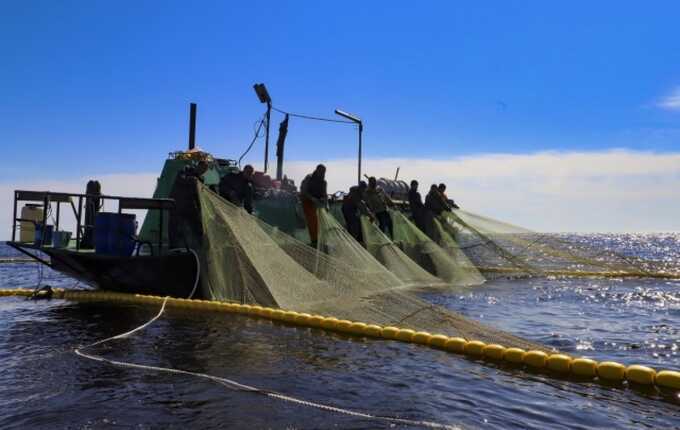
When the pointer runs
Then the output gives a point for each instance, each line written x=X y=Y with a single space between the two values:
x=118 y=261
x=105 y=251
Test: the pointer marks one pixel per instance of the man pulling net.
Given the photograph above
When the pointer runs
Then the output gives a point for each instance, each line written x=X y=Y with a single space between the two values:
x=314 y=195
x=238 y=188
x=353 y=207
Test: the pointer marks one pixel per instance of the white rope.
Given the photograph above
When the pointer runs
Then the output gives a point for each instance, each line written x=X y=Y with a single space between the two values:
x=234 y=384
x=198 y=273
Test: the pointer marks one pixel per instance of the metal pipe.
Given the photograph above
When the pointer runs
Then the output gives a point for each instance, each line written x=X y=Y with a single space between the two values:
x=361 y=131
x=192 y=126
x=14 y=220
x=280 y=143
x=46 y=203
x=78 y=221
x=355 y=120
x=266 y=137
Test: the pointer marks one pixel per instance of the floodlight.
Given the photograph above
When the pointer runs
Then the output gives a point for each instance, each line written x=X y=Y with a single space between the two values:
x=349 y=116
x=262 y=93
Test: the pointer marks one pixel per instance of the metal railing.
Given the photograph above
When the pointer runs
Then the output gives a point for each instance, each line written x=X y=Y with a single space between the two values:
x=47 y=198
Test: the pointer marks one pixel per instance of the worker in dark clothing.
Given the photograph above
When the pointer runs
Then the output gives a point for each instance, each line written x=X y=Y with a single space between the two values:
x=434 y=201
x=377 y=201
x=238 y=188
x=414 y=199
x=353 y=206
x=314 y=196
x=422 y=215
x=450 y=204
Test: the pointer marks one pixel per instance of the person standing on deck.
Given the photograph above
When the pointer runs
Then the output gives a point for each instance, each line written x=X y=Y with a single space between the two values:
x=314 y=195
x=238 y=188
x=377 y=201
x=415 y=202
x=353 y=206
x=422 y=215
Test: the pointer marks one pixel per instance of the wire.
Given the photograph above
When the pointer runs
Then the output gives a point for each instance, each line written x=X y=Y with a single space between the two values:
x=257 y=134
x=315 y=118
x=297 y=115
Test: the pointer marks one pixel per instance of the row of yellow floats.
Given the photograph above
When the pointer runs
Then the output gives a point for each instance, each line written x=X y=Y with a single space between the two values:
x=564 y=365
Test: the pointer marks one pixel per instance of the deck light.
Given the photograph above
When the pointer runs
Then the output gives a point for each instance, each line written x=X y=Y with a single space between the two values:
x=263 y=95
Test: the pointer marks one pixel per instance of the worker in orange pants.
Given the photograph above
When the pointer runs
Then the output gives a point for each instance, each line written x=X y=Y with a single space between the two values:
x=314 y=196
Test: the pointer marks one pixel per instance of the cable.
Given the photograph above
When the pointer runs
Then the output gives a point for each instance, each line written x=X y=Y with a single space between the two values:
x=315 y=118
x=40 y=278
x=297 y=115
x=198 y=268
x=257 y=134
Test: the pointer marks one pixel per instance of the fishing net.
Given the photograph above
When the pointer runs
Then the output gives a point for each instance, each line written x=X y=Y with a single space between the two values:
x=450 y=264
x=335 y=209
x=393 y=258
x=249 y=261
x=499 y=248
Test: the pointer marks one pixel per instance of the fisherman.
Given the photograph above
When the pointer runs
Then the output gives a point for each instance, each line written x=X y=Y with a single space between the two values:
x=435 y=202
x=450 y=204
x=314 y=196
x=353 y=206
x=422 y=215
x=415 y=202
x=377 y=201
x=238 y=188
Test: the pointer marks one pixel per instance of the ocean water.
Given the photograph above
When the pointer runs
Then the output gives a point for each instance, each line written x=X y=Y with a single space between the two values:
x=43 y=384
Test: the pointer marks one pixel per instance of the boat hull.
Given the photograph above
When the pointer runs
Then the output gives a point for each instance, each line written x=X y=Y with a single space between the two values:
x=172 y=274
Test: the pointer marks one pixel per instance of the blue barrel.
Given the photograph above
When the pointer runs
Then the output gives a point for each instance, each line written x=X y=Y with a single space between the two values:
x=114 y=234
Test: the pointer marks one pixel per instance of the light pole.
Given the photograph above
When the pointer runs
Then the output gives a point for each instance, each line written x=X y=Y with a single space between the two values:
x=263 y=95
x=356 y=120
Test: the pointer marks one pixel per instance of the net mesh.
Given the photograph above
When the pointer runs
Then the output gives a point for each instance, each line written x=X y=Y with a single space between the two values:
x=447 y=263
x=501 y=249
x=393 y=258
x=249 y=261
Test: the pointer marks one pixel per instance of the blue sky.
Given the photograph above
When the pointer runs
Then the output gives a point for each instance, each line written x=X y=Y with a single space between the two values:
x=103 y=87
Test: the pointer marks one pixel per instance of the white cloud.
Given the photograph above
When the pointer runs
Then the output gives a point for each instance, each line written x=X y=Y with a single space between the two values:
x=606 y=191
x=671 y=101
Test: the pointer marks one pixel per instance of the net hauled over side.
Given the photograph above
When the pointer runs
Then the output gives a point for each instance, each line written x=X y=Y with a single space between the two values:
x=250 y=261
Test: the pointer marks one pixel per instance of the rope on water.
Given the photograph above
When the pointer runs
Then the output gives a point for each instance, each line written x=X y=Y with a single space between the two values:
x=229 y=383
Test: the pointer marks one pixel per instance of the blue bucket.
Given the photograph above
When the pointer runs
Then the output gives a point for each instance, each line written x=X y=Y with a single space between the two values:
x=114 y=234
x=47 y=239
x=60 y=239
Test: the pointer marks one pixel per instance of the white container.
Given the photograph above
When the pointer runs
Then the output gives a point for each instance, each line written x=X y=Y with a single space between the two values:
x=27 y=228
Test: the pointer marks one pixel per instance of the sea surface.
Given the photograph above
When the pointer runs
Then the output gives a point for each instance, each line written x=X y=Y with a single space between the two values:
x=44 y=384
